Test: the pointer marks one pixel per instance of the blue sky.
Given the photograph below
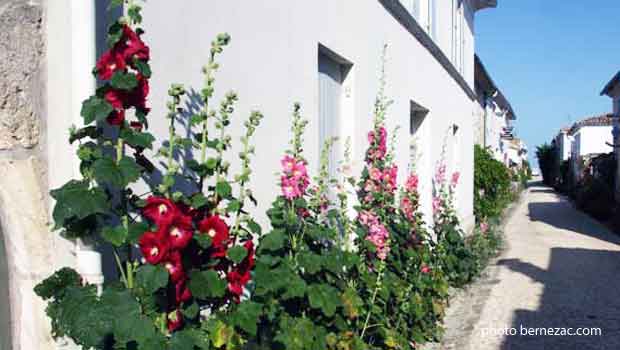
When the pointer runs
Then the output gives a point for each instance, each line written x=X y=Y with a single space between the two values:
x=551 y=58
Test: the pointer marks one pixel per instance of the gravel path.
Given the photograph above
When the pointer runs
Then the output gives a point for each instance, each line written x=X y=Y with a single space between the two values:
x=560 y=269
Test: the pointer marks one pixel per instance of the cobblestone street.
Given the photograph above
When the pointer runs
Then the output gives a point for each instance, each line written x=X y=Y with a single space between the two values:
x=559 y=269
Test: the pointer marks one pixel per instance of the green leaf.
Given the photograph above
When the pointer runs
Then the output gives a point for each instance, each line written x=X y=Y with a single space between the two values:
x=129 y=170
x=115 y=32
x=206 y=284
x=143 y=68
x=296 y=288
x=151 y=277
x=124 y=81
x=182 y=341
x=191 y=311
x=233 y=206
x=272 y=241
x=312 y=263
x=114 y=4
x=199 y=200
x=136 y=230
x=115 y=235
x=246 y=316
x=223 y=189
x=204 y=241
x=95 y=108
x=55 y=285
x=137 y=139
x=89 y=131
x=236 y=254
x=324 y=297
x=106 y=171
x=75 y=200
x=254 y=227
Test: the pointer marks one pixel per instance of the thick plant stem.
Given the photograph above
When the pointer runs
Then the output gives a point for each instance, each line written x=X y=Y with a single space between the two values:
x=120 y=267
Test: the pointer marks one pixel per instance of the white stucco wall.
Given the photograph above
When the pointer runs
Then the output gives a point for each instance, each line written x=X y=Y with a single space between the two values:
x=272 y=62
x=592 y=140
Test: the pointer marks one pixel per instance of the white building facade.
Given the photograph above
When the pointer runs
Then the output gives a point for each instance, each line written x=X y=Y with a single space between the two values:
x=324 y=54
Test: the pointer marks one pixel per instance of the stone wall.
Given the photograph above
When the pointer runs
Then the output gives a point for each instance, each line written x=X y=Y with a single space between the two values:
x=27 y=244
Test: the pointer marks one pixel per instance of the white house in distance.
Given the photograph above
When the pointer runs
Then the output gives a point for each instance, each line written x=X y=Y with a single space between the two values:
x=324 y=54
x=612 y=89
x=493 y=121
x=590 y=137
x=562 y=142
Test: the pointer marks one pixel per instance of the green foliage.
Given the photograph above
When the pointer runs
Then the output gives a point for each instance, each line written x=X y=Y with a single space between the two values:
x=491 y=185
x=547 y=162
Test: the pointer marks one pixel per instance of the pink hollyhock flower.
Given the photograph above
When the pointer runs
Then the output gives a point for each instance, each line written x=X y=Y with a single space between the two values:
x=425 y=269
x=375 y=174
x=218 y=230
x=288 y=164
x=174 y=266
x=407 y=207
x=160 y=210
x=484 y=227
x=455 y=179
x=412 y=183
x=299 y=171
x=290 y=188
x=154 y=247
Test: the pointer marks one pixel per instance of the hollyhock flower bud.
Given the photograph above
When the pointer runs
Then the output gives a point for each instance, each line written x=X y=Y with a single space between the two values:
x=218 y=231
x=425 y=269
x=180 y=231
x=137 y=126
x=160 y=210
x=175 y=321
x=153 y=247
x=174 y=266
x=436 y=205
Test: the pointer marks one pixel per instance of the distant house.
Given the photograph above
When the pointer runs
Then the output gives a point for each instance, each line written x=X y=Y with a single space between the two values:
x=590 y=137
x=612 y=89
x=494 y=116
x=562 y=142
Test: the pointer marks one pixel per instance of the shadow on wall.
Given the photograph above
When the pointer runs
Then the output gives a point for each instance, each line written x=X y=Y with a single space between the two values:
x=580 y=291
x=5 y=315
x=553 y=213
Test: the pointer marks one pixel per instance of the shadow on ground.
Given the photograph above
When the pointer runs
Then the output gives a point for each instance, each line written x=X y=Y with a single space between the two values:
x=580 y=291
x=555 y=213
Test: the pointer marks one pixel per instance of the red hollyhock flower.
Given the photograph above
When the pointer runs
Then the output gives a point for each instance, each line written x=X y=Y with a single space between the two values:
x=240 y=276
x=217 y=229
x=180 y=231
x=153 y=247
x=137 y=97
x=117 y=117
x=137 y=126
x=160 y=210
x=236 y=281
x=110 y=62
x=175 y=321
x=132 y=46
x=181 y=291
x=174 y=265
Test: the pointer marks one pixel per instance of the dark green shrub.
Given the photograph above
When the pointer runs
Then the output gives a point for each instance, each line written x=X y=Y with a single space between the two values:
x=595 y=197
x=547 y=163
x=491 y=185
